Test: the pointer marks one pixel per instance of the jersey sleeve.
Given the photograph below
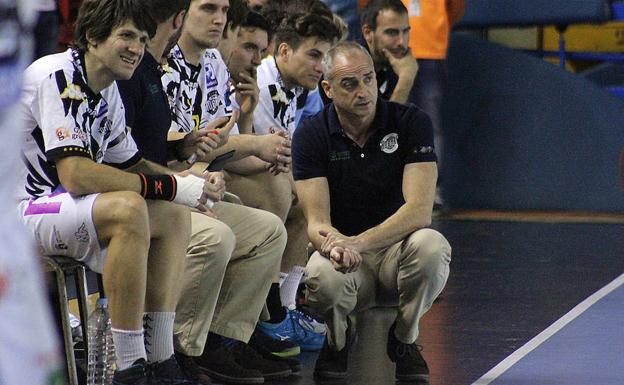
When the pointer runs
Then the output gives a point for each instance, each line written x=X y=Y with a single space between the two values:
x=263 y=118
x=58 y=102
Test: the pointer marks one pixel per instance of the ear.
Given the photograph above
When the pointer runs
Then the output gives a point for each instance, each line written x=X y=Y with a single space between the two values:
x=368 y=32
x=178 y=19
x=327 y=88
x=283 y=51
x=91 y=42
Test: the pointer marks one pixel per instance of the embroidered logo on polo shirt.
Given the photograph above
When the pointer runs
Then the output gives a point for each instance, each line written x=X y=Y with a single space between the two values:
x=389 y=143
x=423 y=150
x=339 y=155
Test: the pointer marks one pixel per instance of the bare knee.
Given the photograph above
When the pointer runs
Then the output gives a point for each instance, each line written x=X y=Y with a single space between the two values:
x=122 y=214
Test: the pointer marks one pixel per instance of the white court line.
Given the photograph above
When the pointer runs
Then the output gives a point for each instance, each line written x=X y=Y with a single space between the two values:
x=516 y=356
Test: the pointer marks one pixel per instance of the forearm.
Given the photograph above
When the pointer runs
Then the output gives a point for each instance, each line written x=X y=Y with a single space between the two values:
x=245 y=123
x=407 y=219
x=243 y=144
x=147 y=167
x=402 y=90
x=83 y=176
x=247 y=166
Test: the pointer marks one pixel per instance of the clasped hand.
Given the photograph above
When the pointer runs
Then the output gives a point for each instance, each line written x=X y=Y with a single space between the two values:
x=341 y=250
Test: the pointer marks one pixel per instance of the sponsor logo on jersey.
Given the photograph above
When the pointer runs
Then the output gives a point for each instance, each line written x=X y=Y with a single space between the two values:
x=62 y=133
x=73 y=92
x=211 y=76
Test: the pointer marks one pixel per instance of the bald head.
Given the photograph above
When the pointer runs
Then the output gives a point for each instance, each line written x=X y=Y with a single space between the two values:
x=341 y=51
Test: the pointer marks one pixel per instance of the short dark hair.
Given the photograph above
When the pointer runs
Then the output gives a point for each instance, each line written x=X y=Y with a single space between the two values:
x=373 y=7
x=276 y=10
x=237 y=13
x=296 y=28
x=97 y=19
x=256 y=20
x=161 y=10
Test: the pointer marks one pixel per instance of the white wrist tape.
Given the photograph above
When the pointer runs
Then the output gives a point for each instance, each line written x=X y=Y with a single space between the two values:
x=190 y=190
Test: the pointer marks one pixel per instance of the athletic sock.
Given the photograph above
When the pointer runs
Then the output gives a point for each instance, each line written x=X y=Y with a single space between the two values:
x=158 y=335
x=129 y=347
x=288 y=289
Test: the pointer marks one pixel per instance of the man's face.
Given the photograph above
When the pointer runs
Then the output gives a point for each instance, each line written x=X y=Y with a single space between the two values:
x=228 y=42
x=121 y=52
x=392 y=33
x=248 y=53
x=351 y=83
x=205 y=22
x=303 y=66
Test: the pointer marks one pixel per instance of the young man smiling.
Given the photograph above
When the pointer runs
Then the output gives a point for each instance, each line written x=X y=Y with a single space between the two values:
x=78 y=201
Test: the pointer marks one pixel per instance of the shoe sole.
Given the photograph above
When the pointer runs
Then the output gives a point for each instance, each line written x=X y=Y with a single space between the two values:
x=232 y=380
x=277 y=375
x=289 y=352
x=420 y=379
x=325 y=375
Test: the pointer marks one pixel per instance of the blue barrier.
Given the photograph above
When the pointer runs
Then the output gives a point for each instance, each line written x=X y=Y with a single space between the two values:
x=522 y=134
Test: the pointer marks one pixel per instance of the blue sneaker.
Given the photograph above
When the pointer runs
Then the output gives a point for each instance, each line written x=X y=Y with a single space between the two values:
x=299 y=328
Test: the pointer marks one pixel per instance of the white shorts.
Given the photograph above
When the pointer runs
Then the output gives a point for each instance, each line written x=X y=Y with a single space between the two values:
x=63 y=225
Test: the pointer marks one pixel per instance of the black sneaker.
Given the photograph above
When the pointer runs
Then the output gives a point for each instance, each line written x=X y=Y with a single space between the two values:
x=134 y=375
x=410 y=364
x=293 y=363
x=247 y=357
x=220 y=365
x=192 y=370
x=331 y=364
x=280 y=348
x=169 y=372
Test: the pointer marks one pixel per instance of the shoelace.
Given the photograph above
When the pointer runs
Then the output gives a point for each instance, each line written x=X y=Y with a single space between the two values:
x=408 y=350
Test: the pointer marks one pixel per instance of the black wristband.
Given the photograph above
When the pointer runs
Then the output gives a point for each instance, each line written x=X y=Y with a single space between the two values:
x=162 y=187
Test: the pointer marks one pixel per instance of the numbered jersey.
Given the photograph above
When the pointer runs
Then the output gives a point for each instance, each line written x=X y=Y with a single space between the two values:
x=197 y=94
x=62 y=117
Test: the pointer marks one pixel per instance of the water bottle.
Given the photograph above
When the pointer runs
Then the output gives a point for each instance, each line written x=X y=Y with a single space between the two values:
x=101 y=360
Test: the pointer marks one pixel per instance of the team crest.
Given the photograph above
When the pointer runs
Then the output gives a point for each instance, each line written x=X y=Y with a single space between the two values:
x=389 y=143
x=212 y=101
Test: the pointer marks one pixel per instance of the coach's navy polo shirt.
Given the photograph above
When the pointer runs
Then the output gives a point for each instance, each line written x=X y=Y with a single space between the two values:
x=147 y=109
x=365 y=184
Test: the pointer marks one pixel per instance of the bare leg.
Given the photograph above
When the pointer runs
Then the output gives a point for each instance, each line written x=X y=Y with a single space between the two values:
x=121 y=220
x=170 y=228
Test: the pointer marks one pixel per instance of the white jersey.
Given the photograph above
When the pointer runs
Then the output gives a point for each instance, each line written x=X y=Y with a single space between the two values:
x=277 y=105
x=197 y=94
x=63 y=117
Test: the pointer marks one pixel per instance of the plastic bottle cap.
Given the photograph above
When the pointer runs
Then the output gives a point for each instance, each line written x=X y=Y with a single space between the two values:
x=102 y=302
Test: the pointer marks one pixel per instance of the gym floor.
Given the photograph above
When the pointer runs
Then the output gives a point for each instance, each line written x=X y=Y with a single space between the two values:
x=532 y=299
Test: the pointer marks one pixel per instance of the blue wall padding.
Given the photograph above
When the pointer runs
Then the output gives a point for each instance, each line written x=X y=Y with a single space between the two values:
x=490 y=13
x=524 y=134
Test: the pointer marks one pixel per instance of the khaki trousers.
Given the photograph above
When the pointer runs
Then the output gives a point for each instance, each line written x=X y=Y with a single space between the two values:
x=230 y=264
x=409 y=274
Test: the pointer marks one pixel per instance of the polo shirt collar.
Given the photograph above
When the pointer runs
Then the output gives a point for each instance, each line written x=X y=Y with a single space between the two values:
x=380 y=121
